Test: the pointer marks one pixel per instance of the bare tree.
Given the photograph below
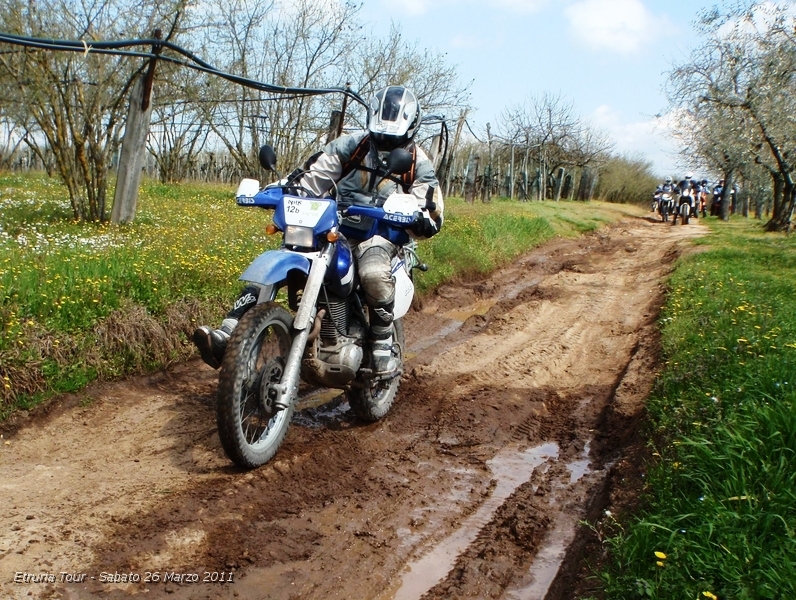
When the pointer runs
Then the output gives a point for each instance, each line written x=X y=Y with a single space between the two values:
x=741 y=84
x=304 y=47
x=77 y=102
x=180 y=128
x=552 y=137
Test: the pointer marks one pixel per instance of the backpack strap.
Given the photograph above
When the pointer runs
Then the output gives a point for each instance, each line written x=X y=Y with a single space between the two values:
x=357 y=156
x=361 y=151
x=408 y=178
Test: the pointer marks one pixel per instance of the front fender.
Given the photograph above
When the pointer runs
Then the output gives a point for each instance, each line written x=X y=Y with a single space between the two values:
x=273 y=266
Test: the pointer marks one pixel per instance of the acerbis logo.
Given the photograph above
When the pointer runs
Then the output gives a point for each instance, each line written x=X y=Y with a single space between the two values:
x=398 y=218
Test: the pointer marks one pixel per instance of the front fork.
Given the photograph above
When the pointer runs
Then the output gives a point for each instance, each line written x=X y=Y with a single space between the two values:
x=286 y=391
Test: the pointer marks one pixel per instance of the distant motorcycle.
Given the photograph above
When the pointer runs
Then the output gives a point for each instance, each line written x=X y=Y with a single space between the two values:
x=665 y=205
x=685 y=207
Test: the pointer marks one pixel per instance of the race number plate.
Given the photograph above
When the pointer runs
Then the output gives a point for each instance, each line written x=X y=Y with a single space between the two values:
x=304 y=212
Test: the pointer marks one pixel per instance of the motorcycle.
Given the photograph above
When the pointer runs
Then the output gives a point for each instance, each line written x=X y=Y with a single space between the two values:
x=685 y=207
x=665 y=204
x=321 y=337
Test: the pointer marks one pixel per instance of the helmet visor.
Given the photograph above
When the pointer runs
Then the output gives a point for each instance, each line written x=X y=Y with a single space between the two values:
x=391 y=106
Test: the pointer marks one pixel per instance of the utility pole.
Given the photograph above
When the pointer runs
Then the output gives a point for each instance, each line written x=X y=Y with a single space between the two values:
x=448 y=171
x=511 y=183
x=136 y=131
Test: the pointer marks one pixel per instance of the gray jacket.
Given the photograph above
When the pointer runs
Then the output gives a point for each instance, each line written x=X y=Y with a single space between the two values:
x=361 y=187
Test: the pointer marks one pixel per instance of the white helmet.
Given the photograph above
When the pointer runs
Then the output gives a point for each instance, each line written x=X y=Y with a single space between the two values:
x=689 y=175
x=393 y=118
x=668 y=179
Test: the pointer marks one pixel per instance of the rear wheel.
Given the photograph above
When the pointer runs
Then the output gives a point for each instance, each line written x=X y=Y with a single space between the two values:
x=250 y=427
x=372 y=402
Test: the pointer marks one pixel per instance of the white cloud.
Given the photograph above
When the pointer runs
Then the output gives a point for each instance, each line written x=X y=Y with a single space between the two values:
x=650 y=137
x=616 y=25
x=414 y=8
x=523 y=6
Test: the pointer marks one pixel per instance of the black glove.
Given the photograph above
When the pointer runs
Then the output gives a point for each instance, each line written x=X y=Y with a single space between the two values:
x=424 y=226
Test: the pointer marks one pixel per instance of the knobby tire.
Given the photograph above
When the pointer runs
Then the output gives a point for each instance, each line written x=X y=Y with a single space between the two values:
x=250 y=433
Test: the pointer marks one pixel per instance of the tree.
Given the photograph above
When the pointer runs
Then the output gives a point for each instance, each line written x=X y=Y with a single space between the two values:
x=560 y=139
x=74 y=104
x=740 y=87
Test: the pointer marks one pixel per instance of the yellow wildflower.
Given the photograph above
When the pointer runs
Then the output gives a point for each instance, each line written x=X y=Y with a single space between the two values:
x=660 y=555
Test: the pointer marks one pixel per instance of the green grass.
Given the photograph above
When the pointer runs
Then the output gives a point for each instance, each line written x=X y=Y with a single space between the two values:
x=82 y=301
x=720 y=499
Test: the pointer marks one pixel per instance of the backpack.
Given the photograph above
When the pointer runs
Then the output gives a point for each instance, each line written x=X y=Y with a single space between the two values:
x=361 y=151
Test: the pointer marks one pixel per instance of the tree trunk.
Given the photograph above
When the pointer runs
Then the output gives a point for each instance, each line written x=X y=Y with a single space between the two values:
x=726 y=194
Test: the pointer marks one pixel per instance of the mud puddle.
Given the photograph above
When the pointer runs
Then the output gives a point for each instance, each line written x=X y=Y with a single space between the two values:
x=509 y=468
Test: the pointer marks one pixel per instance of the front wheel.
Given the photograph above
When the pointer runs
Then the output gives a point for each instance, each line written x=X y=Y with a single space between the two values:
x=373 y=401
x=250 y=427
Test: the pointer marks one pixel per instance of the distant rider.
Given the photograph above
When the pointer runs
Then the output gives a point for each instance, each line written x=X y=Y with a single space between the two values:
x=715 y=204
x=686 y=190
x=667 y=187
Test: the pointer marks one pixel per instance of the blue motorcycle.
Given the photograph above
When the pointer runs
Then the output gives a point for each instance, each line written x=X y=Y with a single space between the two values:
x=318 y=331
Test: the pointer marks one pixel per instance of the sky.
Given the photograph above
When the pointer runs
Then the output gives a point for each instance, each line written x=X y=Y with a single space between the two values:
x=610 y=58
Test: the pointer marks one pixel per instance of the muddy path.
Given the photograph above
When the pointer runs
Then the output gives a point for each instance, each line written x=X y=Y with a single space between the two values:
x=521 y=395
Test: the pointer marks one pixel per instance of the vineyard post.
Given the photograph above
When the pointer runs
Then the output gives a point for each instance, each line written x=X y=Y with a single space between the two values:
x=136 y=131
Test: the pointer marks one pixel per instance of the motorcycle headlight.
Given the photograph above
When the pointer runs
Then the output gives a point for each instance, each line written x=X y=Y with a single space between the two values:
x=299 y=236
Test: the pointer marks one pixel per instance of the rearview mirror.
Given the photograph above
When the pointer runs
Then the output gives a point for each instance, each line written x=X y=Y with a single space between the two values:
x=267 y=158
x=399 y=161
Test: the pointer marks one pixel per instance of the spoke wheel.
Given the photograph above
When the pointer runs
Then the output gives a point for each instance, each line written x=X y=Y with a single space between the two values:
x=373 y=401
x=251 y=429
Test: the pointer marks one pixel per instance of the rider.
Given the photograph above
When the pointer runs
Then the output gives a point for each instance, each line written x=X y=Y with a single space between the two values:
x=685 y=188
x=698 y=187
x=667 y=187
x=702 y=197
x=348 y=164
x=686 y=184
x=715 y=204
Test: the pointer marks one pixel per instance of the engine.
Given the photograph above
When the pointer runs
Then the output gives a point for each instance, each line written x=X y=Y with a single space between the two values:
x=339 y=352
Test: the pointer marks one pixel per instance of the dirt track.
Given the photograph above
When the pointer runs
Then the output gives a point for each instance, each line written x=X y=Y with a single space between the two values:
x=521 y=394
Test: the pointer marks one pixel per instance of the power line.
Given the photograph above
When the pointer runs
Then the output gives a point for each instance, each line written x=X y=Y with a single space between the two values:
x=117 y=48
x=470 y=129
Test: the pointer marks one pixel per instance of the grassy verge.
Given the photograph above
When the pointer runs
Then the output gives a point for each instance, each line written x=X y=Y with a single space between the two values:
x=719 y=512
x=80 y=302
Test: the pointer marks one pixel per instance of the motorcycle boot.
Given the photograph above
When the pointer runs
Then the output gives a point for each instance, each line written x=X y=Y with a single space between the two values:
x=212 y=343
x=381 y=342
x=384 y=363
